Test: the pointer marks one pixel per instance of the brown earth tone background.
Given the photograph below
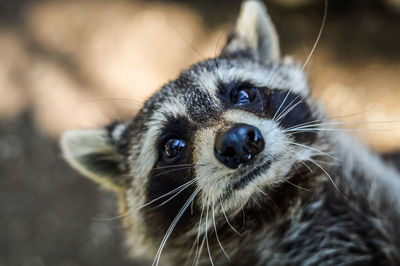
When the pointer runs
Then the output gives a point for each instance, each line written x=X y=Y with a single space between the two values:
x=77 y=64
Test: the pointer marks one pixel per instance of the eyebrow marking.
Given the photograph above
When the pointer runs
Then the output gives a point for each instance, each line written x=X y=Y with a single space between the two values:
x=147 y=157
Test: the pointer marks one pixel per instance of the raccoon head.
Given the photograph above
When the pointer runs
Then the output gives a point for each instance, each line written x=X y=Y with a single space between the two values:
x=227 y=133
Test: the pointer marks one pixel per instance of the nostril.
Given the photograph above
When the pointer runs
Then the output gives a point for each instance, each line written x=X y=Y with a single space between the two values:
x=255 y=139
x=229 y=152
x=251 y=136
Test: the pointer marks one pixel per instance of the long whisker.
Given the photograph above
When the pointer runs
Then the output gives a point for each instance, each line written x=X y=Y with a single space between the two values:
x=370 y=130
x=283 y=113
x=176 y=190
x=174 y=170
x=319 y=35
x=201 y=250
x=176 y=194
x=216 y=233
x=122 y=100
x=255 y=201
x=280 y=106
x=330 y=178
x=319 y=166
x=226 y=218
x=183 y=38
x=311 y=125
x=172 y=226
x=272 y=74
x=196 y=242
x=275 y=206
x=308 y=58
x=175 y=166
x=206 y=234
x=301 y=161
x=289 y=108
x=262 y=192
x=244 y=218
x=306 y=123
x=311 y=148
x=259 y=97
x=218 y=41
x=268 y=82
x=297 y=186
x=344 y=116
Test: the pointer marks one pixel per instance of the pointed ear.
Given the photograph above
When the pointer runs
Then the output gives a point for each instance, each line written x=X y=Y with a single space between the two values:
x=253 y=34
x=93 y=154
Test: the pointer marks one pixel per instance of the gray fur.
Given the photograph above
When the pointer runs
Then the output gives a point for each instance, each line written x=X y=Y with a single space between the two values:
x=323 y=199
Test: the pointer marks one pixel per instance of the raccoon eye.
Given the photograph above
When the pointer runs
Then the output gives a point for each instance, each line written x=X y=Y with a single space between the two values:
x=173 y=148
x=243 y=96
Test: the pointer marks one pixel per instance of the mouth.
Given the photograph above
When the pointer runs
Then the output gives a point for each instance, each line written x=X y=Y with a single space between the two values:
x=251 y=176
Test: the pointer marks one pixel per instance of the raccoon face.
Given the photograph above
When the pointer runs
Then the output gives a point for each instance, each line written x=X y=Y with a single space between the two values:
x=227 y=131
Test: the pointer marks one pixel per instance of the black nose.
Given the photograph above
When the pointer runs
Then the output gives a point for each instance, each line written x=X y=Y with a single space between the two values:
x=239 y=145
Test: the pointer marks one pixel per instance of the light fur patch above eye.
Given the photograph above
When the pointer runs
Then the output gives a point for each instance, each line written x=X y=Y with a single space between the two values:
x=276 y=76
x=171 y=108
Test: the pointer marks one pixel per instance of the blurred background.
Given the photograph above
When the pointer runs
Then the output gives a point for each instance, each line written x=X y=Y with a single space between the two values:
x=67 y=64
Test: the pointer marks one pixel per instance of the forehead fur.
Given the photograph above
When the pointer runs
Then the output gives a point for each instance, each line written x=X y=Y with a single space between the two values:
x=194 y=92
x=208 y=75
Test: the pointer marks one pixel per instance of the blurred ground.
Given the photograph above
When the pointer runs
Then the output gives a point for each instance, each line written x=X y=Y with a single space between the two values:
x=73 y=64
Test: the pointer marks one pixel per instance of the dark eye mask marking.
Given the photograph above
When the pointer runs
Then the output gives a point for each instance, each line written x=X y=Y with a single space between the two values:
x=291 y=110
x=172 y=170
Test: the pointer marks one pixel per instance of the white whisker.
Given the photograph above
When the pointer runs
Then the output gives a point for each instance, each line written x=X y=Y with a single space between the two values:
x=226 y=218
x=172 y=226
x=330 y=178
x=276 y=208
x=311 y=148
x=311 y=125
x=289 y=108
x=255 y=201
x=174 y=170
x=177 y=190
x=216 y=233
x=206 y=234
x=276 y=119
x=177 y=165
x=196 y=242
x=297 y=186
x=301 y=160
x=318 y=37
x=201 y=250
x=280 y=106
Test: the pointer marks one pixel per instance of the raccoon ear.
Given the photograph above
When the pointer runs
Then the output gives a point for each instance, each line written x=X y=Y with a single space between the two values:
x=253 y=34
x=92 y=153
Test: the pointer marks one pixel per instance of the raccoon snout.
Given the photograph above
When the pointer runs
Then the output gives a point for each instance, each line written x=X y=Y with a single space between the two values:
x=239 y=145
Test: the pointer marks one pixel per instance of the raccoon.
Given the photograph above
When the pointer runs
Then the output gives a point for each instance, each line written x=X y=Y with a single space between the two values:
x=234 y=163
